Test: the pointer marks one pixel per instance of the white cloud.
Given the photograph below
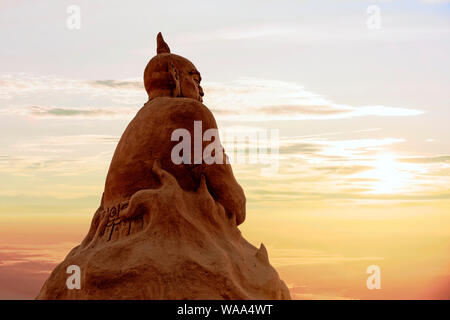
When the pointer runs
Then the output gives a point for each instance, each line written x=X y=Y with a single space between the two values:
x=240 y=100
x=21 y=89
x=435 y=1
x=266 y=100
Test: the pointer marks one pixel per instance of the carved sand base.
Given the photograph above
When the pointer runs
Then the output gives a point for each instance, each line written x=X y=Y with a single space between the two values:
x=167 y=243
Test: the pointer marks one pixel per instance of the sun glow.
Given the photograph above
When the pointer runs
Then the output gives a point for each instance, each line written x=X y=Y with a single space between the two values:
x=389 y=175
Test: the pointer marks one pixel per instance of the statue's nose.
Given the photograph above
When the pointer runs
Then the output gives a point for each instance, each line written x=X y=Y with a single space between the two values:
x=200 y=91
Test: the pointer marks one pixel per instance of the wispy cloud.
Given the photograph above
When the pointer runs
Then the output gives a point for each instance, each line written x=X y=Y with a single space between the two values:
x=315 y=32
x=287 y=257
x=23 y=269
x=69 y=155
x=425 y=159
x=116 y=84
x=435 y=1
x=321 y=166
x=71 y=140
x=86 y=113
x=240 y=100
x=326 y=167
x=265 y=100
x=22 y=90
x=237 y=33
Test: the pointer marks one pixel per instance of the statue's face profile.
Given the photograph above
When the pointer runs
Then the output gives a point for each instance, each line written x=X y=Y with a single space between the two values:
x=190 y=84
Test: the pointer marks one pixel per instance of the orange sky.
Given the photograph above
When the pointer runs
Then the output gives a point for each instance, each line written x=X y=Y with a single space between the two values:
x=362 y=172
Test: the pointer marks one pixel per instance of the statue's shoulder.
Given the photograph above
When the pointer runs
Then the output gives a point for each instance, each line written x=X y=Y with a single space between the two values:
x=162 y=107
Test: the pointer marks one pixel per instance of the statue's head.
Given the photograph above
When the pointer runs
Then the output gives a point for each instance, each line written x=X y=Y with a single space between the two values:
x=170 y=75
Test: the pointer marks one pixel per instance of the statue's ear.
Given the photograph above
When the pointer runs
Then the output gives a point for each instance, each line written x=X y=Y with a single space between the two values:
x=175 y=77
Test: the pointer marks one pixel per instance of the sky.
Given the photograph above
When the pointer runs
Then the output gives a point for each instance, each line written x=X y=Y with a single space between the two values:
x=361 y=116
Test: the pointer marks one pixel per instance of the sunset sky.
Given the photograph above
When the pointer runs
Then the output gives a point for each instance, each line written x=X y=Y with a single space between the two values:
x=363 y=117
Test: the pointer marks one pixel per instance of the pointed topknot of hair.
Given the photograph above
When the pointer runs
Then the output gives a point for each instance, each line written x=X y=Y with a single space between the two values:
x=161 y=45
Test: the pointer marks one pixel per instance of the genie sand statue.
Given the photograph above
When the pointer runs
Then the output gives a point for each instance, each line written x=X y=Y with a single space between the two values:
x=167 y=229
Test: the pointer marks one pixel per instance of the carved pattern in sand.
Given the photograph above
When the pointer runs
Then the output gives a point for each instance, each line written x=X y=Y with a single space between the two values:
x=116 y=227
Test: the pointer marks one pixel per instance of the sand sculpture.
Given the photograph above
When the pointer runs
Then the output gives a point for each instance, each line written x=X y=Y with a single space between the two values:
x=166 y=230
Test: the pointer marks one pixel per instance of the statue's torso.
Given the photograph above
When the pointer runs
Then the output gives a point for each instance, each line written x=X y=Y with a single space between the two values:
x=148 y=137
